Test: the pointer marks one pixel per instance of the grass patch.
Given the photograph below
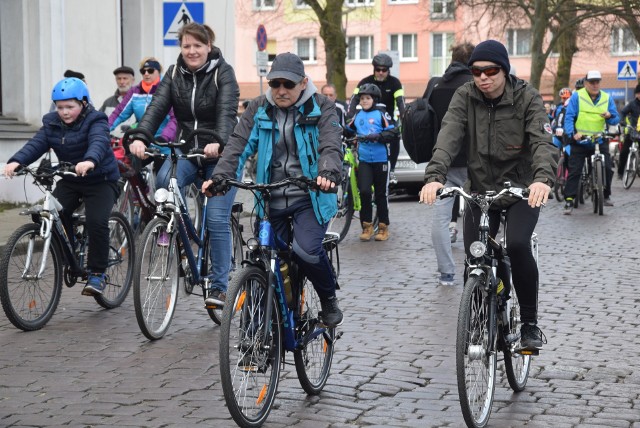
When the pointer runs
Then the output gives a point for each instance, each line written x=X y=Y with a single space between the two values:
x=4 y=205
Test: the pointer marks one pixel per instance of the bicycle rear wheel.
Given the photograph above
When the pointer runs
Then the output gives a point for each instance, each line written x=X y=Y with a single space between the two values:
x=156 y=280
x=515 y=365
x=120 y=264
x=475 y=357
x=342 y=220
x=29 y=300
x=249 y=362
x=597 y=195
x=630 y=169
x=558 y=186
x=313 y=359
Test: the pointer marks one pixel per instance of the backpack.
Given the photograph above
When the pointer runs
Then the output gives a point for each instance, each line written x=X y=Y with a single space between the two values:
x=420 y=127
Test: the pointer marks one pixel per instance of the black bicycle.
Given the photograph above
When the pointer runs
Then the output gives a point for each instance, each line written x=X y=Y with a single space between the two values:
x=40 y=255
x=271 y=306
x=489 y=316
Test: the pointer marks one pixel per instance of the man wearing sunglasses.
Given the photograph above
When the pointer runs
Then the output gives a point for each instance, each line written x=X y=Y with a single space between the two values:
x=588 y=112
x=294 y=132
x=392 y=98
x=509 y=139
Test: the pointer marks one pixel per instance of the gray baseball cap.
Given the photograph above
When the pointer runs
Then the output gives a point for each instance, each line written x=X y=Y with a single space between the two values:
x=287 y=66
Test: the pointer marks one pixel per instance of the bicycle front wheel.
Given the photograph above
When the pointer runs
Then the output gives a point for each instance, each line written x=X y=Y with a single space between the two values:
x=313 y=359
x=597 y=196
x=156 y=279
x=120 y=264
x=630 y=170
x=342 y=220
x=515 y=365
x=29 y=298
x=475 y=355
x=250 y=348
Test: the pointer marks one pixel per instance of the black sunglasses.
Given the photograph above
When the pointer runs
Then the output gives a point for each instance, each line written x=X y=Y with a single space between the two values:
x=288 y=84
x=490 y=70
x=381 y=70
x=147 y=70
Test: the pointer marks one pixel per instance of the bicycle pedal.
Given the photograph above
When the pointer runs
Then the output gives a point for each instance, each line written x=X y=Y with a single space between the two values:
x=211 y=306
x=529 y=352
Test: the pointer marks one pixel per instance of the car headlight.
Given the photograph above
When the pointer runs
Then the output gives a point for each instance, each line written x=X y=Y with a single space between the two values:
x=477 y=249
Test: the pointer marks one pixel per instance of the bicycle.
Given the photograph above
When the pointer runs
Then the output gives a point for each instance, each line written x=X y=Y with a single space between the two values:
x=271 y=306
x=632 y=167
x=40 y=255
x=348 y=194
x=594 y=183
x=562 y=173
x=488 y=317
x=185 y=253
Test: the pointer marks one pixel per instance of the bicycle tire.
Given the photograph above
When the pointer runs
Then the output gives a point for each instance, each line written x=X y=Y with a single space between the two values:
x=30 y=304
x=558 y=186
x=249 y=373
x=516 y=365
x=125 y=203
x=597 y=195
x=155 y=296
x=341 y=221
x=313 y=359
x=120 y=264
x=629 y=174
x=475 y=358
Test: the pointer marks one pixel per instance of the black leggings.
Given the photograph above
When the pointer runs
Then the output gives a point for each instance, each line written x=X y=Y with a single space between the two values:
x=374 y=174
x=521 y=220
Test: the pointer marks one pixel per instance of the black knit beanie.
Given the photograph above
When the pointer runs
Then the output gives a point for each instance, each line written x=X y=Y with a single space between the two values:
x=491 y=50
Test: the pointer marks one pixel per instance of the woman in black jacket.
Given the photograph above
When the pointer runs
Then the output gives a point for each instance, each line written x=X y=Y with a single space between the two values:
x=204 y=93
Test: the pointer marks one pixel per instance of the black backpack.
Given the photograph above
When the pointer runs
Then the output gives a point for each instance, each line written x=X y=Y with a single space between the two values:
x=420 y=127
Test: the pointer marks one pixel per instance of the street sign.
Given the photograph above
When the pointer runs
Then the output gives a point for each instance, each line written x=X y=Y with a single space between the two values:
x=261 y=37
x=178 y=14
x=627 y=70
x=262 y=63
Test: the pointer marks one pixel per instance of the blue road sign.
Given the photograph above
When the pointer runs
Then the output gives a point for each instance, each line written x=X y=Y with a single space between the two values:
x=178 y=14
x=627 y=70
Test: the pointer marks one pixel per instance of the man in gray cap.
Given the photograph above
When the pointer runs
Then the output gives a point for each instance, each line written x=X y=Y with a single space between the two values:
x=295 y=132
x=125 y=78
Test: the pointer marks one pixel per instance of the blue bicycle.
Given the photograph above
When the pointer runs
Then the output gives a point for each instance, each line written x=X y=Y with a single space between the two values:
x=271 y=306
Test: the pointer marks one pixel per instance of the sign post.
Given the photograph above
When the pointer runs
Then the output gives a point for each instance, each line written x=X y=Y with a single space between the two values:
x=627 y=70
x=262 y=56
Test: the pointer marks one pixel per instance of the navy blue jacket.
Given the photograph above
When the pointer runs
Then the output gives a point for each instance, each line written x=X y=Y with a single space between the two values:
x=87 y=139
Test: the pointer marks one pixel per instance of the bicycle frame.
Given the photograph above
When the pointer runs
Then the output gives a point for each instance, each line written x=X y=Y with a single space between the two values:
x=351 y=163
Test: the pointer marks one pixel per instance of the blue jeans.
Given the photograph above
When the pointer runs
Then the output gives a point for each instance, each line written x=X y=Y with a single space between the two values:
x=440 y=225
x=218 y=214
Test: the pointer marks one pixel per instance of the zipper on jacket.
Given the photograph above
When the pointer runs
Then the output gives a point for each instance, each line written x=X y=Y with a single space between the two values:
x=492 y=129
x=312 y=154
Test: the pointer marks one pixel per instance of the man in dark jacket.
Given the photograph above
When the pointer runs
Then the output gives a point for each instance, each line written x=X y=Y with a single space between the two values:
x=629 y=116
x=509 y=140
x=454 y=76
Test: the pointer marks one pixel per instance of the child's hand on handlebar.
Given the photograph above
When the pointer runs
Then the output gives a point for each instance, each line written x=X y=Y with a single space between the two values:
x=137 y=148
x=83 y=168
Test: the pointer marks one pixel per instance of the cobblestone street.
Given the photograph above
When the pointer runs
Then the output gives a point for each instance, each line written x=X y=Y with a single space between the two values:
x=395 y=364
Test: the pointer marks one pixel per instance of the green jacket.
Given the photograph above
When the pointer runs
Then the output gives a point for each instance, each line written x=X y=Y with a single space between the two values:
x=509 y=141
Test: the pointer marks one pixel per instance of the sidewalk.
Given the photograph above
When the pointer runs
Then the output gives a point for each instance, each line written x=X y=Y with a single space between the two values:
x=10 y=220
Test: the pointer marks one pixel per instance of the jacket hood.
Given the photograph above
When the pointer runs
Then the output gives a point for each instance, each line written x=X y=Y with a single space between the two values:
x=455 y=69
x=304 y=96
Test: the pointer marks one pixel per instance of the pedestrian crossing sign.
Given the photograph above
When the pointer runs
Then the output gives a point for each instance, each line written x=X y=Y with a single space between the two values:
x=178 y=14
x=627 y=70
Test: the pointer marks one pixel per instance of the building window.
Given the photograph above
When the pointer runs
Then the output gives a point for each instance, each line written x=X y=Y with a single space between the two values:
x=519 y=42
x=359 y=48
x=405 y=44
x=403 y=1
x=272 y=49
x=264 y=4
x=442 y=9
x=306 y=49
x=356 y=3
x=440 y=52
x=623 y=42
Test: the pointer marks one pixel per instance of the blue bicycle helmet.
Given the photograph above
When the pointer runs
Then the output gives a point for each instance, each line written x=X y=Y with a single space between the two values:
x=70 y=88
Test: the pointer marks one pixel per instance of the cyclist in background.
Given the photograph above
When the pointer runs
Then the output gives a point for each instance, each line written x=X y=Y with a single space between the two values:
x=295 y=132
x=392 y=97
x=629 y=116
x=516 y=148
x=79 y=134
x=588 y=112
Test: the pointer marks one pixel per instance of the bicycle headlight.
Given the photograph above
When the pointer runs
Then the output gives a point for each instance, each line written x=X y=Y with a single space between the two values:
x=161 y=195
x=252 y=244
x=477 y=249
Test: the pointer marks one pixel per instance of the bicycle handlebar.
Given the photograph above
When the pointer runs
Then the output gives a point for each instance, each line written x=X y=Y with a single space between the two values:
x=147 y=137
x=302 y=182
x=60 y=170
x=490 y=196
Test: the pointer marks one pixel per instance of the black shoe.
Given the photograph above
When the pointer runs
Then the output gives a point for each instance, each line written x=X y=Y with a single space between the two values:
x=568 y=207
x=331 y=315
x=531 y=337
x=608 y=202
x=215 y=299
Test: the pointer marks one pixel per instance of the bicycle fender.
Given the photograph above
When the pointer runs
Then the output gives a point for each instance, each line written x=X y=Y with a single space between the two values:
x=477 y=272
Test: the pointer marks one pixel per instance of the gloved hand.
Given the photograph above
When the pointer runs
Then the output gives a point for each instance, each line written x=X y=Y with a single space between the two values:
x=372 y=137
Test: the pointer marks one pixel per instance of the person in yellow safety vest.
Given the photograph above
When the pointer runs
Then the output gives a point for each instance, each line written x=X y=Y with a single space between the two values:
x=588 y=112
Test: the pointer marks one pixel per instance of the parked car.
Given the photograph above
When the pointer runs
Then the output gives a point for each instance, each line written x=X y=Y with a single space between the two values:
x=409 y=174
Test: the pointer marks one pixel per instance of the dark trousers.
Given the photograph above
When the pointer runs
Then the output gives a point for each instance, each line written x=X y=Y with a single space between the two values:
x=307 y=244
x=579 y=154
x=98 y=199
x=394 y=152
x=374 y=174
x=521 y=220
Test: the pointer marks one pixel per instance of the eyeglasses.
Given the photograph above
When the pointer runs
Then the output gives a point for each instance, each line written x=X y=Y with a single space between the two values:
x=490 y=70
x=380 y=70
x=147 y=70
x=288 y=84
